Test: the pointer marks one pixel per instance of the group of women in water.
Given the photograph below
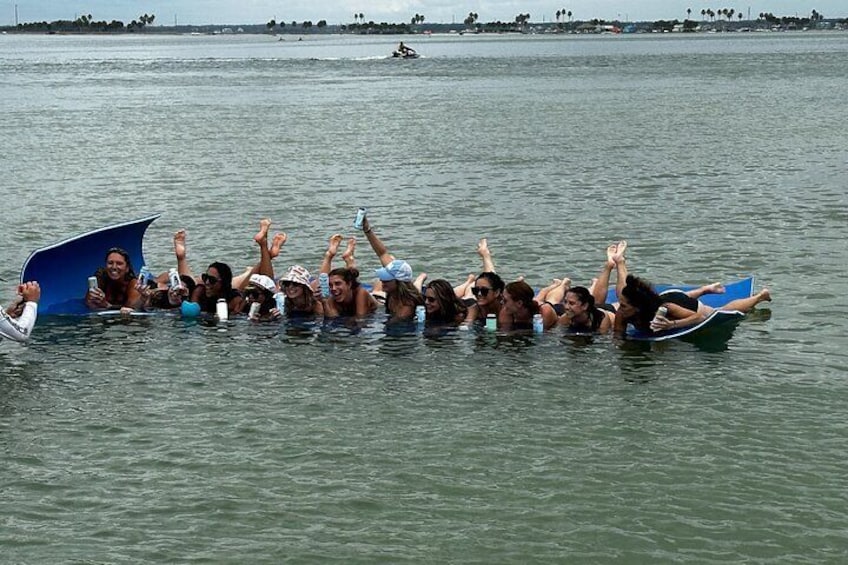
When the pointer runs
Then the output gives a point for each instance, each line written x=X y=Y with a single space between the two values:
x=482 y=299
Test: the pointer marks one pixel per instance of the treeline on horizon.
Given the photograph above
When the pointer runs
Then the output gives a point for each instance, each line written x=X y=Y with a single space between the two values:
x=86 y=24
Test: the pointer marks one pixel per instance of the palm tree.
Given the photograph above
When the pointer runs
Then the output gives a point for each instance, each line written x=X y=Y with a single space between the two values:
x=688 y=12
x=361 y=18
x=557 y=15
x=569 y=16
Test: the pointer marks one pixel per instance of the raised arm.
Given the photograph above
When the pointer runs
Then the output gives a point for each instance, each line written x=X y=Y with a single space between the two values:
x=377 y=245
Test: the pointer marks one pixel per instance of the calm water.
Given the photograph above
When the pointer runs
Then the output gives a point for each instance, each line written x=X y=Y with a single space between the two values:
x=169 y=441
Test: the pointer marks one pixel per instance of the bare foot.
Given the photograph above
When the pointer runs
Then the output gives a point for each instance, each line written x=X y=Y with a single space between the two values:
x=612 y=249
x=464 y=290
x=277 y=243
x=592 y=286
x=262 y=234
x=764 y=295
x=419 y=281
x=180 y=244
x=565 y=283
x=349 y=253
x=335 y=241
x=483 y=248
x=620 y=247
x=715 y=288
x=520 y=278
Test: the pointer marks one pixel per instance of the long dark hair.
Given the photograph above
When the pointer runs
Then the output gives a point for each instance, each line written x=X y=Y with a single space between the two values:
x=494 y=279
x=642 y=296
x=116 y=292
x=585 y=297
x=226 y=276
x=450 y=306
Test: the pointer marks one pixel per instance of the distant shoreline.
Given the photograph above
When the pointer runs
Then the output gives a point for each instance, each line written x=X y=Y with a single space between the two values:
x=491 y=28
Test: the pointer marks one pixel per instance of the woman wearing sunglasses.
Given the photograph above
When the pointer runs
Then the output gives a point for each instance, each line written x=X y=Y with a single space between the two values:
x=116 y=288
x=488 y=294
x=260 y=290
x=217 y=283
x=300 y=298
x=442 y=305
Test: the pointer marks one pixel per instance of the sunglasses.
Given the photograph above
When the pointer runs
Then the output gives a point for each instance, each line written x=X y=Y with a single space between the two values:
x=287 y=284
x=209 y=279
x=429 y=299
x=480 y=291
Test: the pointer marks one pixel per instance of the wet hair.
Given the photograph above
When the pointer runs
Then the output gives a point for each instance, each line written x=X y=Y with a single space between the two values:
x=642 y=296
x=494 y=279
x=450 y=306
x=350 y=275
x=523 y=293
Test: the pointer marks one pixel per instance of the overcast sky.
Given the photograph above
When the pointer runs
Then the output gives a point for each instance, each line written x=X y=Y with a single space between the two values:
x=341 y=11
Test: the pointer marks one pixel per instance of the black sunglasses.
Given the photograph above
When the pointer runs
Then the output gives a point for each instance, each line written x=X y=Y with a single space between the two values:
x=253 y=292
x=480 y=291
x=209 y=279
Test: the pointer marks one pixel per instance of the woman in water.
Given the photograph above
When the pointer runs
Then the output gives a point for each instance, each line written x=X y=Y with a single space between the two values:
x=300 y=298
x=116 y=284
x=639 y=303
x=442 y=305
x=519 y=307
x=581 y=315
x=402 y=297
x=347 y=298
x=217 y=283
x=260 y=291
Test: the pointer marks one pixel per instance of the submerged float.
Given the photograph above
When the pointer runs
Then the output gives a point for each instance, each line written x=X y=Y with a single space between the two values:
x=63 y=268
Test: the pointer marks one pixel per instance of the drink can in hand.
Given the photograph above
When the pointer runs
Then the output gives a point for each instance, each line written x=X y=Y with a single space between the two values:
x=360 y=218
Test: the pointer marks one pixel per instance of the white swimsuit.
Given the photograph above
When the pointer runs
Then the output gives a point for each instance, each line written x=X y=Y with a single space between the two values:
x=18 y=329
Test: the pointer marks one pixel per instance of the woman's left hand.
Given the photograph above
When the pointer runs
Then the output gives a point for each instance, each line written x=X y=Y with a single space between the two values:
x=661 y=324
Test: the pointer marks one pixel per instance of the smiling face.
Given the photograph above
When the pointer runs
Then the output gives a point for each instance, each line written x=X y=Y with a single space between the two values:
x=431 y=303
x=212 y=280
x=573 y=307
x=340 y=291
x=484 y=293
x=511 y=305
x=293 y=290
x=116 y=266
